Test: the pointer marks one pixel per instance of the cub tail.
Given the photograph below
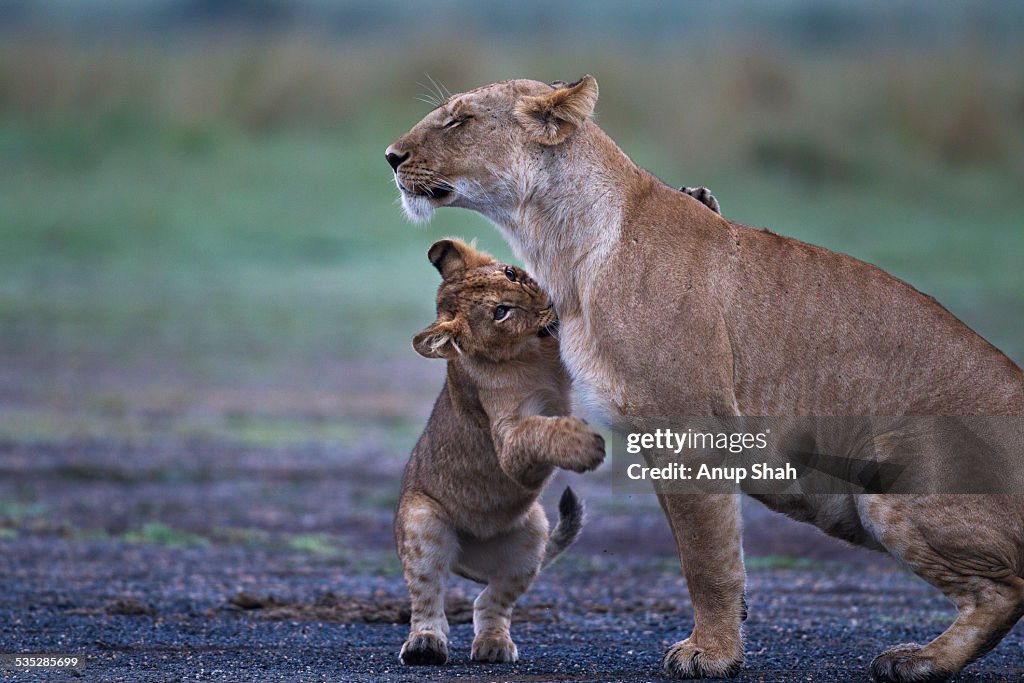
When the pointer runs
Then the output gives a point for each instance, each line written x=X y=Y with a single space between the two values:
x=570 y=522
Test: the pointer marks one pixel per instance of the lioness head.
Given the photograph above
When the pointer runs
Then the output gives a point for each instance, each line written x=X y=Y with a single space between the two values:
x=485 y=308
x=486 y=149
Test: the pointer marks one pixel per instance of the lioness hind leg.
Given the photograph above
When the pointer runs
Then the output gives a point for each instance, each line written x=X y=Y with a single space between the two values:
x=988 y=610
x=427 y=550
x=949 y=542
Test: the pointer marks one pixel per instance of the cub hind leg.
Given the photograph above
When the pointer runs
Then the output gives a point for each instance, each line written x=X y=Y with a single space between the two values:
x=508 y=563
x=975 y=568
x=427 y=547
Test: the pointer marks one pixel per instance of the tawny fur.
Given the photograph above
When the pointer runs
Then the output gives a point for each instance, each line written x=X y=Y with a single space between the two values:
x=497 y=432
x=667 y=309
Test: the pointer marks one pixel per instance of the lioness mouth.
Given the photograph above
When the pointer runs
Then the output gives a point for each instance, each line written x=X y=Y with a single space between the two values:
x=439 y=191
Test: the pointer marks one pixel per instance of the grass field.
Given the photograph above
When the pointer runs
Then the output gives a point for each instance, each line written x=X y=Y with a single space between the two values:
x=149 y=228
x=199 y=246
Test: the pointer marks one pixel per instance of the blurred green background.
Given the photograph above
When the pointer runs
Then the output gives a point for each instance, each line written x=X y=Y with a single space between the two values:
x=193 y=195
x=208 y=289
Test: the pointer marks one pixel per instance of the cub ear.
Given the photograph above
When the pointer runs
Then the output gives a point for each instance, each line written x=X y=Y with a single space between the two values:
x=453 y=256
x=552 y=118
x=437 y=341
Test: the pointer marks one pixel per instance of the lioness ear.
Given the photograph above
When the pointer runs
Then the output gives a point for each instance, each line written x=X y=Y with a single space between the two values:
x=453 y=256
x=552 y=118
x=437 y=341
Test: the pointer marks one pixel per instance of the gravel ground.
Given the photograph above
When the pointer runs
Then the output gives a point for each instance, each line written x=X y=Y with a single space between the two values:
x=157 y=614
x=244 y=554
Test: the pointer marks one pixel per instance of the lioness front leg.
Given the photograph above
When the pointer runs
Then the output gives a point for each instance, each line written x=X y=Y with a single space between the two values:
x=565 y=442
x=427 y=551
x=706 y=528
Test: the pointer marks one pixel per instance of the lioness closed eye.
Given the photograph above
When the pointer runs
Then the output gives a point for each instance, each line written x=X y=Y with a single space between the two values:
x=497 y=432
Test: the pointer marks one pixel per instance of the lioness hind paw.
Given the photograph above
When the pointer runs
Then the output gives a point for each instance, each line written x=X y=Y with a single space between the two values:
x=686 y=660
x=424 y=648
x=904 y=664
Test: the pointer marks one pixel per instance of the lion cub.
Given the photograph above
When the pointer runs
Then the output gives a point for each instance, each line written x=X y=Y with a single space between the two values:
x=497 y=432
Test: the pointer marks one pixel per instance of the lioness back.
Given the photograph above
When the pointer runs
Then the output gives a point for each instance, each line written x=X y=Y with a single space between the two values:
x=900 y=351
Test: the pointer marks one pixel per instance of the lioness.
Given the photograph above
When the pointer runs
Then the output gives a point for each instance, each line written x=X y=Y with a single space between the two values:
x=497 y=432
x=667 y=309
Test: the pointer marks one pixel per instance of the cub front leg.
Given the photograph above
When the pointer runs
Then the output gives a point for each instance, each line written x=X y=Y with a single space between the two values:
x=565 y=442
x=427 y=548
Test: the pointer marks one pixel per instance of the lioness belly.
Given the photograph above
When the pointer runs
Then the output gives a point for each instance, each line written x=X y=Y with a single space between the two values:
x=835 y=514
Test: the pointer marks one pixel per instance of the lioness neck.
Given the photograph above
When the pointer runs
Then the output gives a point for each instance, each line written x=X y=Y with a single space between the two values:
x=569 y=212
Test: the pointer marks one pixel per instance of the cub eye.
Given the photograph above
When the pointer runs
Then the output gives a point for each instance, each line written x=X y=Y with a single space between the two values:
x=501 y=312
x=510 y=274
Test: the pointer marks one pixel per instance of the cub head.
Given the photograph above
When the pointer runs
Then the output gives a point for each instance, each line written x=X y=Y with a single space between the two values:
x=486 y=148
x=485 y=309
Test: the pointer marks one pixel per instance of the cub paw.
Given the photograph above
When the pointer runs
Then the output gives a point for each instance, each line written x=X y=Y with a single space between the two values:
x=593 y=454
x=586 y=447
x=905 y=664
x=686 y=660
x=424 y=648
x=494 y=648
x=704 y=196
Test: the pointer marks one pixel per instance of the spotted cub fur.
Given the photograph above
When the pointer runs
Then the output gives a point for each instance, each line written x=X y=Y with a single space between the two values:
x=497 y=432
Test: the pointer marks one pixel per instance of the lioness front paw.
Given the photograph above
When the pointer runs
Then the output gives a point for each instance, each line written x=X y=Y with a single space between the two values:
x=904 y=664
x=424 y=647
x=495 y=648
x=686 y=660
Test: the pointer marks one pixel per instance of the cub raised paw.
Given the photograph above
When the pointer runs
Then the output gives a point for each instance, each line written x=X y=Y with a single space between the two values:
x=576 y=445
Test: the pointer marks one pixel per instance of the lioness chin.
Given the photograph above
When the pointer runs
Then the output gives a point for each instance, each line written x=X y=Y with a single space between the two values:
x=667 y=309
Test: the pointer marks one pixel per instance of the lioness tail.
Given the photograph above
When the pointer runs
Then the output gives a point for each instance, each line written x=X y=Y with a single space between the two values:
x=570 y=523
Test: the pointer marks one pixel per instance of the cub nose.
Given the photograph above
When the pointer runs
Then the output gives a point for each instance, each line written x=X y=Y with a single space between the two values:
x=394 y=158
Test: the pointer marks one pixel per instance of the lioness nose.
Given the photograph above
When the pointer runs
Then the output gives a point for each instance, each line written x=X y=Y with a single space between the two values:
x=394 y=158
